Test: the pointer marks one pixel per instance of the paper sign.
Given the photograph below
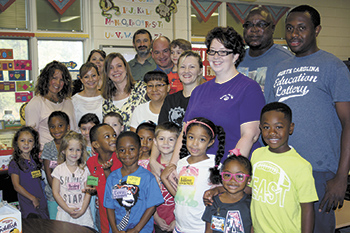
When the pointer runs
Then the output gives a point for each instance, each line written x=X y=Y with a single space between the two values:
x=24 y=86
x=22 y=97
x=186 y=180
x=6 y=65
x=6 y=53
x=23 y=64
x=91 y=180
x=36 y=174
x=73 y=186
x=7 y=86
x=17 y=75
x=133 y=180
x=119 y=193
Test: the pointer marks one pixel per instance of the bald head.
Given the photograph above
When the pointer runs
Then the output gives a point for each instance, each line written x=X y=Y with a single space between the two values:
x=161 y=52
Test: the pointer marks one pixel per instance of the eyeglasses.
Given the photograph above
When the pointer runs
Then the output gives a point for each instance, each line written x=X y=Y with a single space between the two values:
x=260 y=24
x=157 y=86
x=239 y=177
x=221 y=53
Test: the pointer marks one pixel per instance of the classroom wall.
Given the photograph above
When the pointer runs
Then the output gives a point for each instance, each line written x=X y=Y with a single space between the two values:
x=134 y=15
x=334 y=36
x=335 y=21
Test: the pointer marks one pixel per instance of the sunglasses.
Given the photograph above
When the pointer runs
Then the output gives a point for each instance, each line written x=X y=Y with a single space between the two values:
x=239 y=177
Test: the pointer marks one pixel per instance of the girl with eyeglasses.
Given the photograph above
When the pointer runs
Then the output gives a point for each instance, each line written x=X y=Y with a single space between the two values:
x=230 y=210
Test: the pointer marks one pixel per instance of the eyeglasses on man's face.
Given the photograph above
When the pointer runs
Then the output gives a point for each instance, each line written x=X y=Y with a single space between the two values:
x=221 y=53
x=239 y=177
x=261 y=24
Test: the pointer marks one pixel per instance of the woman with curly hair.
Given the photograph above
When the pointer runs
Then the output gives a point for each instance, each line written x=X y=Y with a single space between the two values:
x=52 y=93
x=122 y=94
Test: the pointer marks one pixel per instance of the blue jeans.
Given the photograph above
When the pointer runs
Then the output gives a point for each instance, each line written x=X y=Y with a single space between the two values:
x=324 y=222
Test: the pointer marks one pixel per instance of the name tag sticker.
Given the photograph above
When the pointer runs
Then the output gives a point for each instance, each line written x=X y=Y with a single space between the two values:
x=73 y=186
x=53 y=164
x=186 y=180
x=135 y=180
x=217 y=223
x=36 y=174
x=119 y=193
x=91 y=180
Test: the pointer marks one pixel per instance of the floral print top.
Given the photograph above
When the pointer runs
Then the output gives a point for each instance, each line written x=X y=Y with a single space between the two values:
x=136 y=97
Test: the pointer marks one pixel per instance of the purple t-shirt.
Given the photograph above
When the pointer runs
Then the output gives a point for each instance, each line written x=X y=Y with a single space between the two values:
x=229 y=105
x=33 y=186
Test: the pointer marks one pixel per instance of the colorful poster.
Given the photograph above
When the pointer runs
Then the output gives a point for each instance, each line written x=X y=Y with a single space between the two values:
x=6 y=65
x=22 y=97
x=7 y=86
x=17 y=75
x=23 y=64
x=1 y=76
x=24 y=86
x=6 y=54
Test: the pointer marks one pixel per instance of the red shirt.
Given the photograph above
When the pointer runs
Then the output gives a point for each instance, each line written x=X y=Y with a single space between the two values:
x=96 y=170
x=175 y=83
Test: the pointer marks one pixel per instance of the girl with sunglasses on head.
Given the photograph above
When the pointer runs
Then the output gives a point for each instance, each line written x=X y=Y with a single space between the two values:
x=230 y=210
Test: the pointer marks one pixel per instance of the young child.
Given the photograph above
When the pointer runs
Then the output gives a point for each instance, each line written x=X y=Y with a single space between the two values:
x=283 y=186
x=103 y=140
x=177 y=47
x=69 y=179
x=195 y=177
x=157 y=89
x=146 y=132
x=85 y=124
x=230 y=211
x=132 y=192
x=24 y=169
x=58 y=123
x=166 y=135
x=115 y=120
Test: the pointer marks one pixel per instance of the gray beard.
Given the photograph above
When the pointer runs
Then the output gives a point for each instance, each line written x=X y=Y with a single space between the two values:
x=143 y=53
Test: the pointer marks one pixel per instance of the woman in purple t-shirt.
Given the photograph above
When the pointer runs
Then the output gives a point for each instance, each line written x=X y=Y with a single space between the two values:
x=231 y=99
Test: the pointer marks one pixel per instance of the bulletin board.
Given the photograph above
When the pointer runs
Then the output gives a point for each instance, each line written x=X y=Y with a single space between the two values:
x=127 y=51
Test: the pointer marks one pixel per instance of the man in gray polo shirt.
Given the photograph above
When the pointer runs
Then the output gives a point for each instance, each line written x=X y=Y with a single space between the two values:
x=143 y=61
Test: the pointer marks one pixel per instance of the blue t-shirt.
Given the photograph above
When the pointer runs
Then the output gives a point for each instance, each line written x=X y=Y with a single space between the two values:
x=261 y=68
x=135 y=193
x=311 y=86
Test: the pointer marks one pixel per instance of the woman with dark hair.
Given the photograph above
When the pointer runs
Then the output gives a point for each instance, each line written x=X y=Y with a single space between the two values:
x=52 y=93
x=89 y=100
x=122 y=94
x=231 y=99
x=97 y=57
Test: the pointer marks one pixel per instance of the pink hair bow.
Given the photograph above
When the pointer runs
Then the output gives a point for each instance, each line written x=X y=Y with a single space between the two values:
x=235 y=151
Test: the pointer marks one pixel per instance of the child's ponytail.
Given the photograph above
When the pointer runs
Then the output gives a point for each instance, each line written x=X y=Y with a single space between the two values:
x=215 y=171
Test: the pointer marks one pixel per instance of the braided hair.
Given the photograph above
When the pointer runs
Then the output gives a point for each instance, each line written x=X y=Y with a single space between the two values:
x=213 y=131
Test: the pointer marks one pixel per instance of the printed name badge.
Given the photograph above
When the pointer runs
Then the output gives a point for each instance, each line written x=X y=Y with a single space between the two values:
x=186 y=180
x=135 y=180
x=53 y=164
x=217 y=223
x=91 y=180
x=73 y=186
x=119 y=193
x=36 y=174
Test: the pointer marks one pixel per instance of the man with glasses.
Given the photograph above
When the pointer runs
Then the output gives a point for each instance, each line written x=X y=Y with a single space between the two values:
x=262 y=55
x=316 y=86
x=143 y=61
